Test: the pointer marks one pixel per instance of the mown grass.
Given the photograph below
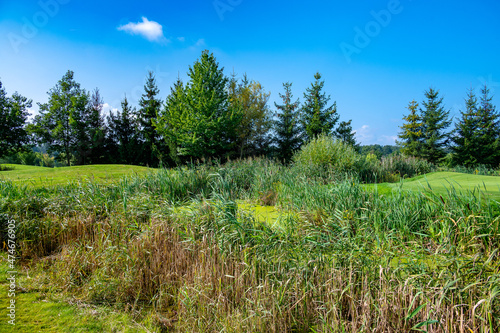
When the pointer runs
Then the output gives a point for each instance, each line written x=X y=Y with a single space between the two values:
x=185 y=245
x=41 y=176
x=444 y=182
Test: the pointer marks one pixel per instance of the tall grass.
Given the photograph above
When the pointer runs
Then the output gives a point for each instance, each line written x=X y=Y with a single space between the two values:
x=340 y=259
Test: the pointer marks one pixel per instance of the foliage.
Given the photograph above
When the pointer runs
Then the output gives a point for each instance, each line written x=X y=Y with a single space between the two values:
x=253 y=131
x=198 y=119
x=288 y=132
x=465 y=137
x=435 y=121
x=148 y=111
x=345 y=133
x=177 y=241
x=13 y=117
x=489 y=130
x=411 y=135
x=317 y=117
x=324 y=152
x=123 y=143
x=378 y=150
x=62 y=120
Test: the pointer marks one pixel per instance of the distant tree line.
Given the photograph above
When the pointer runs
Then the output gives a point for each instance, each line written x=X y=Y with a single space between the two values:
x=211 y=116
x=474 y=140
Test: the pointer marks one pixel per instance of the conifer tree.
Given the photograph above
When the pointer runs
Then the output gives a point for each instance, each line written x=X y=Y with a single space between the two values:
x=345 y=133
x=205 y=123
x=465 y=137
x=317 y=117
x=488 y=130
x=435 y=121
x=289 y=134
x=123 y=134
x=171 y=121
x=150 y=105
x=411 y=134
x=97 y=128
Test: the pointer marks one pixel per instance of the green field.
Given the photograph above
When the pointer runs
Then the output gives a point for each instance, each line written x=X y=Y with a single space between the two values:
x=444 y=183
x=41 y=176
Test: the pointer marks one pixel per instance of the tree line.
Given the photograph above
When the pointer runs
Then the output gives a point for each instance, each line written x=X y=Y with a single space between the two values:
x=474 y=139
x=211 y=116
x=214 y=116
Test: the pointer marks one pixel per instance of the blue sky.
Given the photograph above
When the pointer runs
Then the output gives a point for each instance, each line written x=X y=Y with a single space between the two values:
x=375 y=56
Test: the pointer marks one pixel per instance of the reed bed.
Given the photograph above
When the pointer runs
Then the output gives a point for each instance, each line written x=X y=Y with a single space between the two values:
x=174 y=245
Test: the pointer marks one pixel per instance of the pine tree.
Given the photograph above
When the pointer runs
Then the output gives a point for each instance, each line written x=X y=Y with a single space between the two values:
x=13 y=117
x=345 y=133
x=465 y=137
x=289 y=134
x=173 y=119
x=411 y=135
x=123 y=134
x=317 y=117
x=488 y=130
x=435 y=121
x=150 y=106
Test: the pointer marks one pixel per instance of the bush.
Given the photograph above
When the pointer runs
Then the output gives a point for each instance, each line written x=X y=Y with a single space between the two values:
x=325 y=154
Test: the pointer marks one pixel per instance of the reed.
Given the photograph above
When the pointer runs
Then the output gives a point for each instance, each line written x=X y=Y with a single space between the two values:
x=340 y=259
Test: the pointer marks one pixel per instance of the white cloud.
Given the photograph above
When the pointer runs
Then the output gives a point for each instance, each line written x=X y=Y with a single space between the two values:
x=106 y=108
x=364 y=134
x=151 y=30
x=181 y=39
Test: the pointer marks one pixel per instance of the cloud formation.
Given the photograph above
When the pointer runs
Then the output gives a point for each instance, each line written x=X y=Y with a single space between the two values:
x=151 y=30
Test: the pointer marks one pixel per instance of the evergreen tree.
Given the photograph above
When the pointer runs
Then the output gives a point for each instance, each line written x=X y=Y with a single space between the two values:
x=435 y=121
x=97 y=128
x=287 y=127
x=173 y=121
x=411 y=134
x=317 y=117
x=345 y=133
x=13 y=116
x=254 y=129
x=206 y=124
x=123 y=134
x=465 y=137
x=488 y=130
x=150 y=106
x=62 y=122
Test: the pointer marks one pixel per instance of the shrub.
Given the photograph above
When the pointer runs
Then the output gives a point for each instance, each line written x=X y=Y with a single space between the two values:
x=324 y=154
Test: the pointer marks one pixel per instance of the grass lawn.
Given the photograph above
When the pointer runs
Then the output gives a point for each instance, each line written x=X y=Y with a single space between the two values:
x=443 y=182
x=41 y=176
